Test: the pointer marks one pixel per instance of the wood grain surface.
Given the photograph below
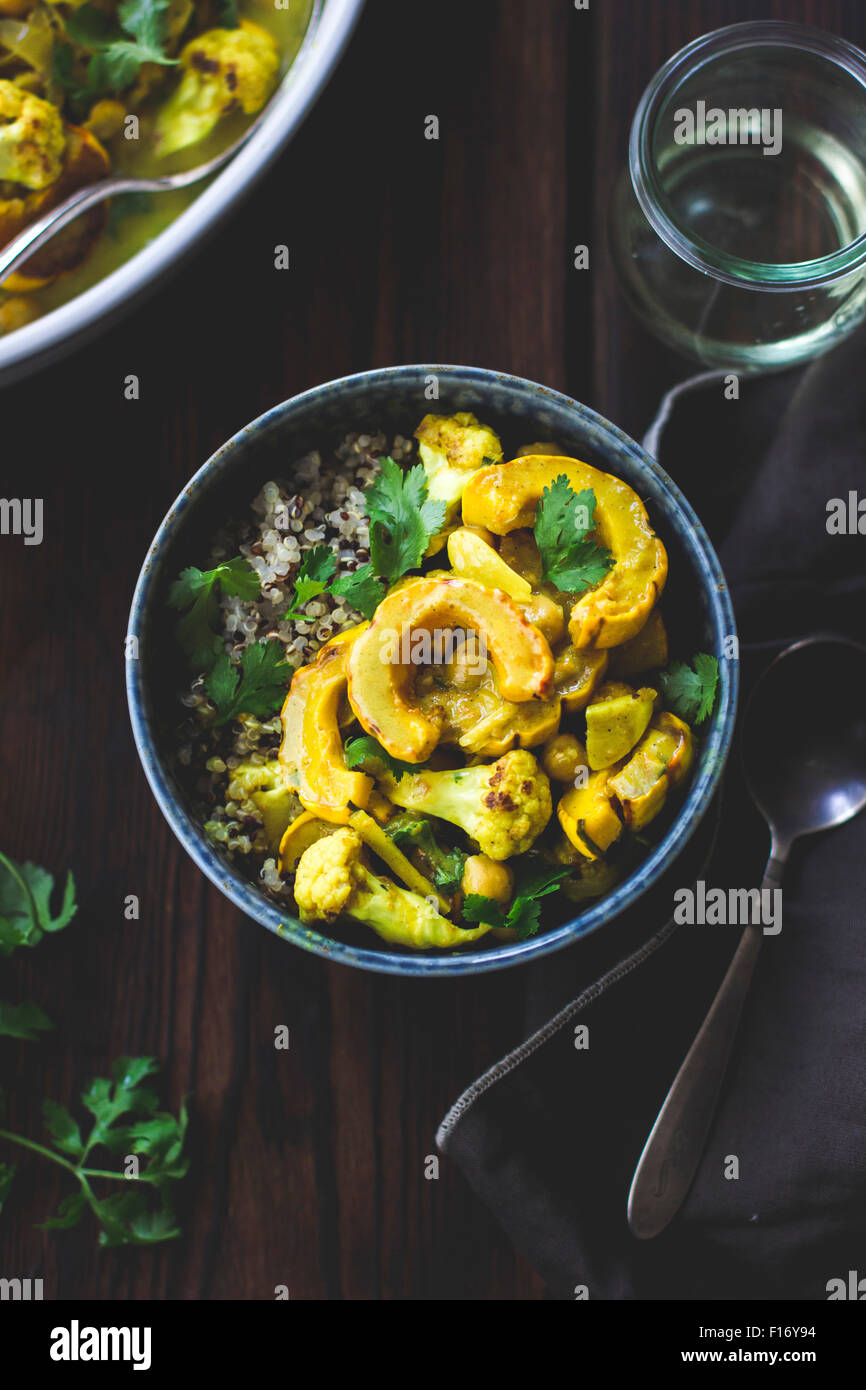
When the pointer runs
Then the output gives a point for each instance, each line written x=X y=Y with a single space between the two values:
x=307 y=1165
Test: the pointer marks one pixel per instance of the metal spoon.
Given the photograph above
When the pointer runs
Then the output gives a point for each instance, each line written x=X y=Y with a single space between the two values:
x=804 y=753
x=50 y=223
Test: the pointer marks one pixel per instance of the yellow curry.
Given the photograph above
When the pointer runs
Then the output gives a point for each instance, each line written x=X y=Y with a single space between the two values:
x=121 y=86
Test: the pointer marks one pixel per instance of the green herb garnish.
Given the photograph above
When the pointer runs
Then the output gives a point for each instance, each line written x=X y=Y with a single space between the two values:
x=524 y=912
x=118 y=55
x=570 y=560
x=446 y=864
x=25 y=904
x=26 y=891
x=402 y=519
x=196 y=591
x=689 y=689
x=126 y=1121
x=312 y=578
x=361 y=751
x=361 y=589
x=256 y=685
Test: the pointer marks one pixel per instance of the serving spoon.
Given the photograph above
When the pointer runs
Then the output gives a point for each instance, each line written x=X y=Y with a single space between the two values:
x=21 y=247
x=806 y=771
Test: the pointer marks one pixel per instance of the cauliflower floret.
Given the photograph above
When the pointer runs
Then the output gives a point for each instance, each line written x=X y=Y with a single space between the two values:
x=32 y=138
x=332 y=881
x=452 y=449
x=225 y=70
x=504 y=806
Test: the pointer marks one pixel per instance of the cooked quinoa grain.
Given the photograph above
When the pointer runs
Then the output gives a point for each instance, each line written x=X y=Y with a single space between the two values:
x=322 y=505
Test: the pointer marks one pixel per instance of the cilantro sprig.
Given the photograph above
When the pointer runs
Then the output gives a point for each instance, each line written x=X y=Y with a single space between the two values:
x=524 y=913
x=689 y=688
x=126 y=1121
x=196 y=591
x=402 y=519
x=446 y=864
x=360 y=588
x=117 y=55
x=26 y=915
x=315 y=570
x=563 y=522
x=256 y=685
x=367 y=752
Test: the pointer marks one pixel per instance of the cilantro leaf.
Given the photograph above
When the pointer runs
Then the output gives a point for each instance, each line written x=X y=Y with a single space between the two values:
x=227 y=14
x=62 y=1128
x=256 y=686
x=359 y=752
x=25 y=904
x=524 y=913
x=570 y=560
x=116 y=58
x=127 y=1121
x=402 y=519
x=446 y=865
x=690 y=689
x=195 y=590
x=361 y=589
x=69 y=1213
x=312 y=578
x=25 y=1021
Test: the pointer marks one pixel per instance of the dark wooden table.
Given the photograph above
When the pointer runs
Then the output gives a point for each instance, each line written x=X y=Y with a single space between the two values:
x=308 y=1165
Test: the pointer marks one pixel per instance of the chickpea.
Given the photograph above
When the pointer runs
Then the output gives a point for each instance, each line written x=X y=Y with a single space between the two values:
x=106 y=119
x=468 y=664
x=485 y=876
x=546 y=615
x=563 y=755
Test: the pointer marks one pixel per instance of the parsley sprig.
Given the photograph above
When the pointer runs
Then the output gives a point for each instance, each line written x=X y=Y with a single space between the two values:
x=524 y=913
x=196 y=591
x=563 y=522
x=256 y=685
x=689 y=688
x=126 y=1121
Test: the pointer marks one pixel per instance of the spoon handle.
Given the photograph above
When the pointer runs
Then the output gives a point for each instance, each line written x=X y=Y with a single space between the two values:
x=673 y=1150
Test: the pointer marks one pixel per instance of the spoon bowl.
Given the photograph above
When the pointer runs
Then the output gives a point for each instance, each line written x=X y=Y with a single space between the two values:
x=804 y=737
x=804 y=755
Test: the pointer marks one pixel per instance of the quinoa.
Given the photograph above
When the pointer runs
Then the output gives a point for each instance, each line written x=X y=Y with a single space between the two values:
x=322 y=504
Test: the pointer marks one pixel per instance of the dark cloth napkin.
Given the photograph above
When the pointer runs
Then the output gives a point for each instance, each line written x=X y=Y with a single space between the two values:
x=550 y=1135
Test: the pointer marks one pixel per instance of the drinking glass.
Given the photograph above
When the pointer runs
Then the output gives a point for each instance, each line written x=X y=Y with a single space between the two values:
x=739 y=226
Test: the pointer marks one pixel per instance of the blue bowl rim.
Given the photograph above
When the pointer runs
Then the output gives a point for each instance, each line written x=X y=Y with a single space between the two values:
x=247 y=897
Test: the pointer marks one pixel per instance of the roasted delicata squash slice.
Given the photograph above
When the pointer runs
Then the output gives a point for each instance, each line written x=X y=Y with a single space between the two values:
x=588 y=816
x=661 y=760
x=303 y=831
x=505 y=498
x=383 y=661
x=472 y=558
x=311 y=752
x=647 y=651
x=615 y=721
